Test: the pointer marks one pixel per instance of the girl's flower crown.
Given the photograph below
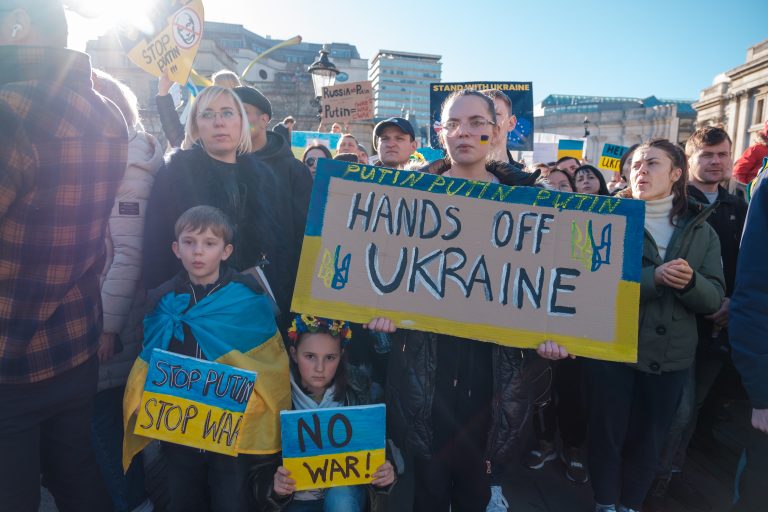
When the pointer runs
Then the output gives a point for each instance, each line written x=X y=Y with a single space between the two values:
x=314 y=324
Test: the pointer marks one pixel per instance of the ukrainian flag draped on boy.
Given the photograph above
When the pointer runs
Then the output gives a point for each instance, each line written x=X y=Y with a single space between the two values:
x=233 y=326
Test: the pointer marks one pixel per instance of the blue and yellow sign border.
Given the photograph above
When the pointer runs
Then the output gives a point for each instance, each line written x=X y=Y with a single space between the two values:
x=623 y=346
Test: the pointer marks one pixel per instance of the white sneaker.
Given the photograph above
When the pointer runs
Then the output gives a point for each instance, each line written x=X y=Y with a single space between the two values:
x=498 y=502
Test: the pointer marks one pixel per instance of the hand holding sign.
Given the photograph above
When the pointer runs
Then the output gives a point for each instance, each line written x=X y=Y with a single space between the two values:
x=385 y=475
x=284 y=485
x=381 y=324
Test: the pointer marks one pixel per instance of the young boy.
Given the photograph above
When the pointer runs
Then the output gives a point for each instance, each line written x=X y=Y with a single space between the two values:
x=224 y=317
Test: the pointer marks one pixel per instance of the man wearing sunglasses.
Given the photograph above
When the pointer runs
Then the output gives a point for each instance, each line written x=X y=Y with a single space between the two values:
x=63 y=151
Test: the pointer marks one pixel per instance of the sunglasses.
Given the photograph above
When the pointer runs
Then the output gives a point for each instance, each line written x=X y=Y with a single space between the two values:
x=311 y=161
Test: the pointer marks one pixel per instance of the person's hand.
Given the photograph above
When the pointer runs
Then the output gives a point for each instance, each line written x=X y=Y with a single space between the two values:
x=384 y=476
x=381 y=324
x=720 y=317
x=760 y=420
x=551 y=350
x=674 y=274
x=164 y=84
x=106 y=350
x=283 y=484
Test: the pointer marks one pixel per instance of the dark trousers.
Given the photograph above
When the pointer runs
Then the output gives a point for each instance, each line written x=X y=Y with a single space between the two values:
x=702 y=377
x=751 y=483
x=630 y=415
x=45 y=428
x=126 y=489
x=201 y=481
x=566 y=410
x=453 y=479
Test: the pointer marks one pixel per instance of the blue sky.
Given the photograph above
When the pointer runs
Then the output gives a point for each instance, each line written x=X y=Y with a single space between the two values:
x=671 y=49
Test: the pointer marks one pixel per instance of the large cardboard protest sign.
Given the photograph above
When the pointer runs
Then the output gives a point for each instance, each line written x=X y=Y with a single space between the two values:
x=347 y=102
x=333 y=447
x=510 y=265
x=169 y=40
x=194 y=402
x=611 y=157
x=520 y=94
x=570 y=148
x=302 y=140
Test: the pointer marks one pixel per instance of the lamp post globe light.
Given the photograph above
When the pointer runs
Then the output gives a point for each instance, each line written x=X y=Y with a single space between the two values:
x=323 y=73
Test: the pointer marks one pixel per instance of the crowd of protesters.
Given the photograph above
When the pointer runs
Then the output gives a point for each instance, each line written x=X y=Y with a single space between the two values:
x=101 y=228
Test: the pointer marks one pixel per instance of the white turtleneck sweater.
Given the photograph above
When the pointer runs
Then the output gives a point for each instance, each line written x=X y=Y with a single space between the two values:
x=657 y=222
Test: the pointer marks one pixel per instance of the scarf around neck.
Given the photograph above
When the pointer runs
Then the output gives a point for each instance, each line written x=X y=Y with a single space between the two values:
x=302 y=401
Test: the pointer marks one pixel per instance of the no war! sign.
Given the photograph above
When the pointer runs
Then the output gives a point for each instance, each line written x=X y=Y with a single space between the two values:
x=333 y=447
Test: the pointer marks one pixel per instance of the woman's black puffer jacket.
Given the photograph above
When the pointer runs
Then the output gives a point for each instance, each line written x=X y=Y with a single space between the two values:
x=413 y=368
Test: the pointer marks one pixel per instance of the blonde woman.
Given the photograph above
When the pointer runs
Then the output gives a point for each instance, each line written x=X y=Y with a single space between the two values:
x=214 y=167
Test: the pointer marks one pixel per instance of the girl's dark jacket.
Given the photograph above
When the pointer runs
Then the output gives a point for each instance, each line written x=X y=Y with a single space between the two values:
x=413 y=368
x=247 y=192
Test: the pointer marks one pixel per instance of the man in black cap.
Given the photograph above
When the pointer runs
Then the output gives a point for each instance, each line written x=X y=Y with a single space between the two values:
x=293 y=177
x=395 y=141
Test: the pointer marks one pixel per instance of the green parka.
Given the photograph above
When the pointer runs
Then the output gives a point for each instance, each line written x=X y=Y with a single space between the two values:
x=667 y=337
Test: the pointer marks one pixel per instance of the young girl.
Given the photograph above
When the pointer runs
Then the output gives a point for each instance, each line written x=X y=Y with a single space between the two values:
x=320 y=378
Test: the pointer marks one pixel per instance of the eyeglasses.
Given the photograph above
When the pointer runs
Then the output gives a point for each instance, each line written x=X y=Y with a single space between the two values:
x=210 y=115
x=311 y=161
x=475 y=125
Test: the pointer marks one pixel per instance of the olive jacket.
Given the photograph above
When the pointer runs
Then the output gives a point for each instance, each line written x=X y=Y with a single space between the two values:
x=667 y=335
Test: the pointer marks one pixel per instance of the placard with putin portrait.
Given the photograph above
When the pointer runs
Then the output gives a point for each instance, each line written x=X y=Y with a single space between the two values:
x=518 y=125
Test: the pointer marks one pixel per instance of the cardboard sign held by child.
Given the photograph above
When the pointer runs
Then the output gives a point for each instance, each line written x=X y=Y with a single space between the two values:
x=194 y=402
x=335 y=446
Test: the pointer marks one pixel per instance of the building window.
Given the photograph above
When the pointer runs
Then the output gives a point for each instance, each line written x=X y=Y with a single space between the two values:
x=759 y=112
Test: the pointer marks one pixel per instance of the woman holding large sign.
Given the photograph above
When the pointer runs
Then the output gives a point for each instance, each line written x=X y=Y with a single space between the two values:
x=458 y=404
x=632 y=406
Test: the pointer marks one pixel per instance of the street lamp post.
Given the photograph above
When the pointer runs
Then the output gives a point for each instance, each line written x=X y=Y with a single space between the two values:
x=323 y=73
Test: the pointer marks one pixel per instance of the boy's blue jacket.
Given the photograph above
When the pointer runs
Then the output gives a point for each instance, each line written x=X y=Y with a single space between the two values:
x=234 y=325
x=748 y=315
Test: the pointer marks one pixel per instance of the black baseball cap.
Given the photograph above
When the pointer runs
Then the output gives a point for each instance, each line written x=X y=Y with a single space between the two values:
x=403 y=124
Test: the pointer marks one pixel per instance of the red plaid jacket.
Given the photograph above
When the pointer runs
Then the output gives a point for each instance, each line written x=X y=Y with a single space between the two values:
x=63 y=151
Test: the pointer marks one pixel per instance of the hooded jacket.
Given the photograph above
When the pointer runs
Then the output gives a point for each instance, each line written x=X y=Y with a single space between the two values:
x=124 y=244
x=295 y=188
x=412 y=372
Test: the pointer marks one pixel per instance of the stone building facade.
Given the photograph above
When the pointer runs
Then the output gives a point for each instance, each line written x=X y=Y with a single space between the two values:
x=738 y=99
